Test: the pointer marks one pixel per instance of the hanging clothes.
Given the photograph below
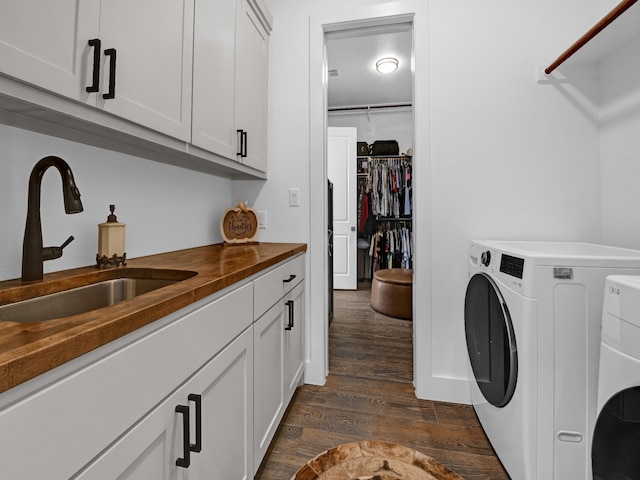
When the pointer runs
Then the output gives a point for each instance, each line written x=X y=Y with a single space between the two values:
x=385 y=207
x=390 y=186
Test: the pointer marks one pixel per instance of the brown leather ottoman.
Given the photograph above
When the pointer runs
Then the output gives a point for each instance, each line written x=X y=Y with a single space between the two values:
x=391 y=292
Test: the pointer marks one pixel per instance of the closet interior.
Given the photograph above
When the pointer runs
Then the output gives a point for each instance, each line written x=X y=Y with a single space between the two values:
x=384 y=188
x=385 y=209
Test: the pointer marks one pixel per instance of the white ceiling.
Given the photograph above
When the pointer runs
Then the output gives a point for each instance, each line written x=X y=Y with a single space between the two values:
x=354 y=54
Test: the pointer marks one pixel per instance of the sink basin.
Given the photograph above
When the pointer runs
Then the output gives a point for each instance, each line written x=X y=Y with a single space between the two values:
x=94 y=292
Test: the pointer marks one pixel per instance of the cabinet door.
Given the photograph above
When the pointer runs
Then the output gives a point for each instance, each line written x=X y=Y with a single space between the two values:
x=148 y=451
x=293 y=341
x=153 y=44
x=268 y=378
x=252 y=47
x=226 y=387
x=214 y=61
x=152 y=447
x=53 y=53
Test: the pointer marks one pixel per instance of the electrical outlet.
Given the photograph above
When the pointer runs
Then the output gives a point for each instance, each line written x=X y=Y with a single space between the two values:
x=294 y=197
x=262 y=219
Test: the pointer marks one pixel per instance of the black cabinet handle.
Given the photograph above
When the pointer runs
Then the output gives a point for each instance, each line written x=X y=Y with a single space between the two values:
x=290 y=305
x=244 y=144
x=95 y=85
x=291 y=277
x=197 y=447
x=240 y=137
x=111 y=53
x=185 y=461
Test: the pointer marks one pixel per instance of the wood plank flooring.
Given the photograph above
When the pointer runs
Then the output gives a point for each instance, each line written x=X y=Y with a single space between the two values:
x=369 y=395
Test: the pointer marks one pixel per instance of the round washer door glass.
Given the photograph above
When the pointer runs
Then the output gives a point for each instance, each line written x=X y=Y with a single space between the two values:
x=491 y=341
x=616 y=438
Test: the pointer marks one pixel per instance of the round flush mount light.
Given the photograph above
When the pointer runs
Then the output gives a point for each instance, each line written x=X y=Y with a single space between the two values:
x=387 y=65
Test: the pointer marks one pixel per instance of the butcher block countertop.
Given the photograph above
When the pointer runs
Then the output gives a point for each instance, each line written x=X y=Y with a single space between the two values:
x=28 y=349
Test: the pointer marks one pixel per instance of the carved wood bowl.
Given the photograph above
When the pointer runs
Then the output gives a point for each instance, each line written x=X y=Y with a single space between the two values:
x=374 y=460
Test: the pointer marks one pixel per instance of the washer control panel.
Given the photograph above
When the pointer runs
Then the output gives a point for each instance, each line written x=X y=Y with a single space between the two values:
x=513 y=266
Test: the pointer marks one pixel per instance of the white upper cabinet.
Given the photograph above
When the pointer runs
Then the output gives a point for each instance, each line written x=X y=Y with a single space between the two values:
x=231 y=44
x=152 y=40
x=252 y=70
x=46 y=44
x=214 y=63
x=58 y=45
x=186 y=78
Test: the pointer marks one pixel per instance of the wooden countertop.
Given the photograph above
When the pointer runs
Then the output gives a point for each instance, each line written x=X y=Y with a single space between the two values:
x=28 y=349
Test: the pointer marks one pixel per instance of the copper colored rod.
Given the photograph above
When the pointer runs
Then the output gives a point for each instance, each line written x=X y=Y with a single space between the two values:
x=595 y=30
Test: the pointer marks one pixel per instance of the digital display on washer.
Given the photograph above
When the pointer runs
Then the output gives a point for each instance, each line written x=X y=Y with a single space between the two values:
x=512 y=265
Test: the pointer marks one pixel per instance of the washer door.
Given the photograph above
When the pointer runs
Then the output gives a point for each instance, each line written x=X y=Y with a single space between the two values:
x=616 y=438
x=491 y=341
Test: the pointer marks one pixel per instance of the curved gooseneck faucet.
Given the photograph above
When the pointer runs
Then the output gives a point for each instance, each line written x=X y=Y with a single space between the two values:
x=33 y=253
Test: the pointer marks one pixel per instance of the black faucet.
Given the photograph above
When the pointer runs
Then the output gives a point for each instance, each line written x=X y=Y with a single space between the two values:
x=33 y=253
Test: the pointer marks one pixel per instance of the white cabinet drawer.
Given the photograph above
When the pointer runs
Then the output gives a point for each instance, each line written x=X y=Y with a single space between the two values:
x=67 y=424
x=273 y=285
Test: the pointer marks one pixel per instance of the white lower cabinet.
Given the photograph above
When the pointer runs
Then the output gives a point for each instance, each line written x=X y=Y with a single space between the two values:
x=278 y=338
x=54 y=431
x=217 y=404
x=224 y=368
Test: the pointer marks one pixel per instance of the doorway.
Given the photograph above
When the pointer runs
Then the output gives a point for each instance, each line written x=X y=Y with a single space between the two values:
x=413 y=12
x=375 y=103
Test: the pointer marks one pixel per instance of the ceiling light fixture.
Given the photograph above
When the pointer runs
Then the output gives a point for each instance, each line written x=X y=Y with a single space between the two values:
x=387 y=65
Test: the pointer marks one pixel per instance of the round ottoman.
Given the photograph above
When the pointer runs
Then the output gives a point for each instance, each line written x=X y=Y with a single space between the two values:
x=391 y=292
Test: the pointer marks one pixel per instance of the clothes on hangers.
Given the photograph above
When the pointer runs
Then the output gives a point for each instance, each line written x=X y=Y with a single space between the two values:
x=384 y=201
x=390 y=185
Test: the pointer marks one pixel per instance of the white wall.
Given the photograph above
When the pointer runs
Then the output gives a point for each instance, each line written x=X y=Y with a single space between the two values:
x=165 y=208
x=388 y=124
x=511 y=159
x=619 y=75
x=508 y=158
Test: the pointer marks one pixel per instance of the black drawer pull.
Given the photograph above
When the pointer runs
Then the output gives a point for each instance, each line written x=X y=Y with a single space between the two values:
x=185 y=461
x=95 y=85
x=290 y=305
x=197 y=447
x=290 y=279
x=111 y=53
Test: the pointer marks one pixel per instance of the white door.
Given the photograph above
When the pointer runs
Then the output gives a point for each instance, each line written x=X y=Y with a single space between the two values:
x=341 y=170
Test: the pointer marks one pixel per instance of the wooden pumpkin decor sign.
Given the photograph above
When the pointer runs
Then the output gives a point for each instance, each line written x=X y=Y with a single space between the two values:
x=239 y=224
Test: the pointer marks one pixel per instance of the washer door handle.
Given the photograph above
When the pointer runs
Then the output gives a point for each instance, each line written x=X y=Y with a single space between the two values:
x=568 y=436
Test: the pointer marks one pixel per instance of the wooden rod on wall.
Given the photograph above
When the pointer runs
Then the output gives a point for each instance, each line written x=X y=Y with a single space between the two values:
x=369 y=107
x=595 y=30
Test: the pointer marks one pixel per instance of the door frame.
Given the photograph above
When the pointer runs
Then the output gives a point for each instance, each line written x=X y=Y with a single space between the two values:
x=406 y=11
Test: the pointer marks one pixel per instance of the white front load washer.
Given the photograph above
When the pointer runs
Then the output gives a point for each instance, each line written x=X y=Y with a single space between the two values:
x=532 y=324
x=616 y=439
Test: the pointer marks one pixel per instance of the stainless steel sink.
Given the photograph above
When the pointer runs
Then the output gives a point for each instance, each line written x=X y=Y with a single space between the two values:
x=86 y=298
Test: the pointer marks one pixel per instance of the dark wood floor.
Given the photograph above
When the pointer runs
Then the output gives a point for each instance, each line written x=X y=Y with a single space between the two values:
x=369 y=395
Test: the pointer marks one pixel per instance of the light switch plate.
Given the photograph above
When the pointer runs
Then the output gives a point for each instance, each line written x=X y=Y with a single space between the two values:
x=294 y=197
x=262 y=219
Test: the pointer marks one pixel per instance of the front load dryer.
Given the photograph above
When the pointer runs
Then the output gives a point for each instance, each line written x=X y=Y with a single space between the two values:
x=616 y=439
x=532 y=324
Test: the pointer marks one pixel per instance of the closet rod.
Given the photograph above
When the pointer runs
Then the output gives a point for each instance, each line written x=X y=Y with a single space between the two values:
x=370 y=107
x=595 y=30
